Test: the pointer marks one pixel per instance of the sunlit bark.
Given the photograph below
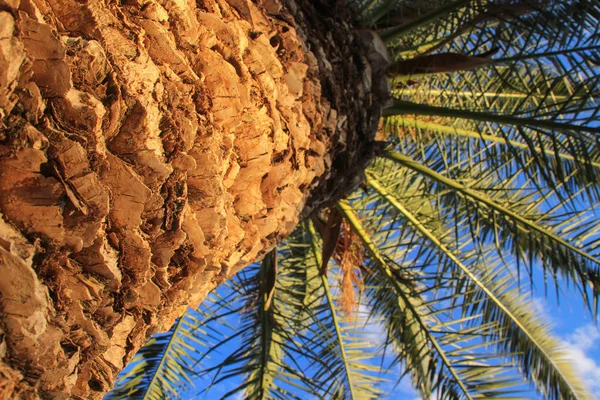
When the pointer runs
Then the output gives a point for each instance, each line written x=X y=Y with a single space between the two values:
x=148 y=151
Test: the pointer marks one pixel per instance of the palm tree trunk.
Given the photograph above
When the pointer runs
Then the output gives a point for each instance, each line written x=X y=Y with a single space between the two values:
x=151 y=149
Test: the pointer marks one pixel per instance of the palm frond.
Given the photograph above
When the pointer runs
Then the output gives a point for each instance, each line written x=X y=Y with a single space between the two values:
x=558 y=254
x=161 y=368
x=576 y=131
x=444 y=356
x=247 y=338
x=334 y=338
x=444 y=10
x=539 y=90
x=518 y=332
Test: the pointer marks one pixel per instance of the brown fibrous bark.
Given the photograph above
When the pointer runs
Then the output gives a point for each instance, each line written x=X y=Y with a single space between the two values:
x=149 y=150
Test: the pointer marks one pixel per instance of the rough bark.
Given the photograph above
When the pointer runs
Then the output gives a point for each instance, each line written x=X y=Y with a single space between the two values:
x=149 y=149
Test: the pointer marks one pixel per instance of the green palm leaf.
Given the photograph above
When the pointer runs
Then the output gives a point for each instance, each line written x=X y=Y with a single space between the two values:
x=542 y=80
x=443 y=355
x=160 y=369
x=559 y=238
x=336 y=339
x=260 y=336
x=520 y=333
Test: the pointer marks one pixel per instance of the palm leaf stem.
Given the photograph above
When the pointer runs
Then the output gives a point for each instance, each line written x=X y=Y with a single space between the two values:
x=451 y=130
x=431 y=46
x=556 y=53
x=400 y=107
x=474 y=94
x=357 y=227
x=266 y=339
x=371 y=14
x=163 y=358
x=332 y=310
x=397 y=32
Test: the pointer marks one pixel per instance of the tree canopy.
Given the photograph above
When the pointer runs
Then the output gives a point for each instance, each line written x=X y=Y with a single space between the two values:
x=490 y=177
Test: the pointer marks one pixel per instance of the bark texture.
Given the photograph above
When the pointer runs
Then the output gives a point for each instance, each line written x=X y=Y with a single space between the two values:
x=149 y=149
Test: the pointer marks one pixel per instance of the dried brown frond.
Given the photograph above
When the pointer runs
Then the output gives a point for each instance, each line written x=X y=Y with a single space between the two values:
x=349 y=255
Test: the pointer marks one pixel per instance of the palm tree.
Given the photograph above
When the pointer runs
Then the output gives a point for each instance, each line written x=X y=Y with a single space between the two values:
x=148 y=151
x=488 y=180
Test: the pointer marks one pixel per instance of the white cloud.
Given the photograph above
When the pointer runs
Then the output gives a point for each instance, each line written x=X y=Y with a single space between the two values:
x=374 y=328
x=577 y=346
x=585 y=337
x=542 y=309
